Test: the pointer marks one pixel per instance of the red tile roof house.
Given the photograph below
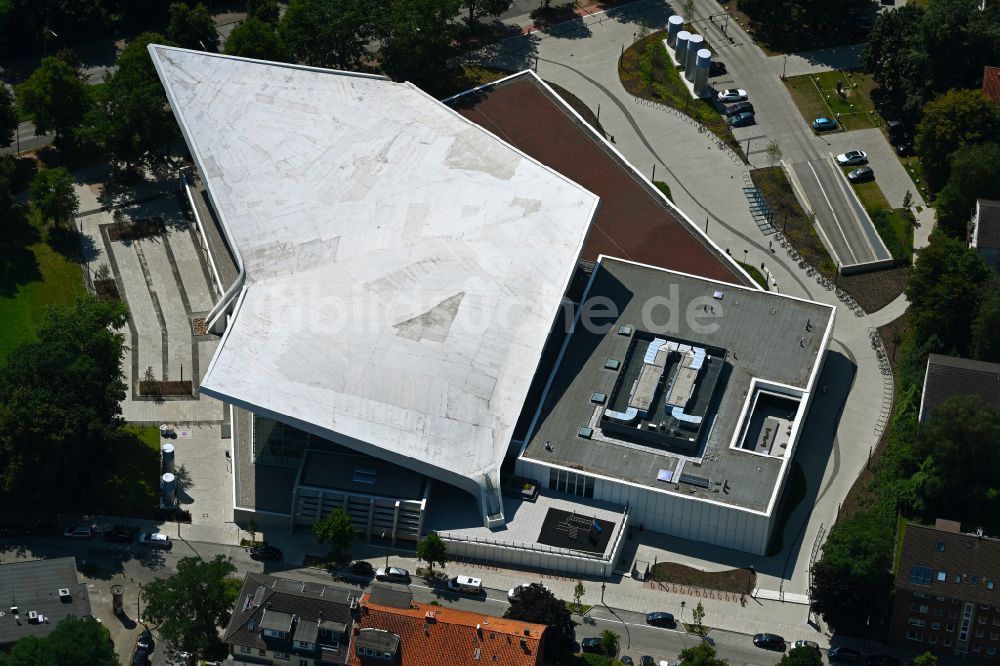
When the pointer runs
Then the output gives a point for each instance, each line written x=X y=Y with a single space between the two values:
x=991 y=83
x=400 y=632
x=948 y=592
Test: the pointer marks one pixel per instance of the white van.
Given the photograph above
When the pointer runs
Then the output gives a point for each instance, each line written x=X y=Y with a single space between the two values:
x=466 y=584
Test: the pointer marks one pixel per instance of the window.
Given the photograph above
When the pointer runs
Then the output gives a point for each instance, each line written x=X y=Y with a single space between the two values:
x=950 y=627
x=935 y=626
x=942 y=576
x=975 y=580
x=991 y=651
x=982 y=619
x=932 y=640
x=994 y=635
x=989 y=584
x=262 y=653
x=958 y=578
x=952 y=615
x=938 y=612
x=996 y=621
x=920 y=575
x=940 y=546
x=941 y=599
x=917 y=622
x=553 y=479
x=977 y=648
x=979 y=633
x=588 y=488
x=303 y=662
x=245 y=649
x=946 y=642
x=918 y=608
x=281 y=655
x=364 y=474
x=984 y=606
x=919 y=595
x=914 y=636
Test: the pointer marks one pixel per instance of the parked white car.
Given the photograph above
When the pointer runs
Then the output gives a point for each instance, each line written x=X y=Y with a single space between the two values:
x=852 y=157
x=155 y=540
x=732 y=95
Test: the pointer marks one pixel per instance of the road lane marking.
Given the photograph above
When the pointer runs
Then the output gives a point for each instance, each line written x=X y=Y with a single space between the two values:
x=832 y=212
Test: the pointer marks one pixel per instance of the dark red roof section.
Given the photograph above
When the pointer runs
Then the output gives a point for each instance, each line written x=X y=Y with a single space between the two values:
x=991 y=83
x=632 y=222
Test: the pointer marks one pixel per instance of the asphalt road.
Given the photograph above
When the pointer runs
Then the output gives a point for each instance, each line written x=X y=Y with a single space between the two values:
x=134 y=565
x=843 y=220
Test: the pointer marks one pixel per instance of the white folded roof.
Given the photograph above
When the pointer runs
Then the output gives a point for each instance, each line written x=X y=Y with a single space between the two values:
x=403 y=267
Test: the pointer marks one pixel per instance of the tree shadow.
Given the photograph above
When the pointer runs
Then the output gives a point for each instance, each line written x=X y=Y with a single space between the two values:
x=18 y=263
x=68 y=242
x=182 y=477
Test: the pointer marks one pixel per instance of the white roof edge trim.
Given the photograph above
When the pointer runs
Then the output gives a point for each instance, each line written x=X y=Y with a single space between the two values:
x=670 y=204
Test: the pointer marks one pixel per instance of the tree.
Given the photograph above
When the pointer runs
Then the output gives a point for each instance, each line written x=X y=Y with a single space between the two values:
x=895 y=55
x=54 y=196
x=773 y=151
x=578 y=592
x=925 y=659
x=337 y=531
x=610 y=642
x=73 y=641
x=8 y=117
x=55 y=97
x=433 y=550
x=985 y=341
x=418 y=38
x=960 y=472
x=485 y=8
x=851 y=581
x=263 y=10
x=702 y=654
x=329 y=33
x=192 y=605
x=974 y=174
x=192 y=28
x=698 y=615
x=952 y=120
x=254 y=38
x=6 y=196
x=802 y=656
x=943 y=291
x=537 y=604
x=60 y=405
x=132 y=121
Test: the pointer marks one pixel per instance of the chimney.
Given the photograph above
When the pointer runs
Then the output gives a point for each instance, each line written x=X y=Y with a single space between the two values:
x=479 y=630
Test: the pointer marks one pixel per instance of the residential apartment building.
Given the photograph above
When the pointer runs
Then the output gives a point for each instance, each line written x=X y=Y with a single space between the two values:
x=948 y=591
x=289 y=622
x=393 y=629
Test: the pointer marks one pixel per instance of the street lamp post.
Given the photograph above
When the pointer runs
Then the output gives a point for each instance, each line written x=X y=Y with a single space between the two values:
x=603 y=580
x=784 y=64
x=745 y=253
x=384 y=545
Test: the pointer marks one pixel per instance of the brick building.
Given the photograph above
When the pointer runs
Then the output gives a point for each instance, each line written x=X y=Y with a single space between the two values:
x=948 y=592
x=393 y=629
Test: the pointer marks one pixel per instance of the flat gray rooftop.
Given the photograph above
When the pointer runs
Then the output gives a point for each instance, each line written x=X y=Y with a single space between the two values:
x=766 y=337
x=34 y=586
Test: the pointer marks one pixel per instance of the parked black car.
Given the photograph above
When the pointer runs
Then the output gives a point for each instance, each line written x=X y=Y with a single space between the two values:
x=661 y=619
x=271 y=553
x=739 y=107
x=769 y=642
x=118 y=534
x=145 y=641
x=844 y=654
x=362 y=568
x=592 y=645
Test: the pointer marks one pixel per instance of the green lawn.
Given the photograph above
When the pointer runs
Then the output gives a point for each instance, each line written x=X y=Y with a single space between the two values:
x=755 y=273
x=33 y=275
x=132 y=487
x=816 y=95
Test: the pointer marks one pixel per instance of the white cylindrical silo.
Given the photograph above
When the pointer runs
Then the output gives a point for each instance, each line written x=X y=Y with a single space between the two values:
x=695 y=43
x=168 y=483
x=167 y=454
x=674 y=25
x=701 y=67
x=681 y=46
